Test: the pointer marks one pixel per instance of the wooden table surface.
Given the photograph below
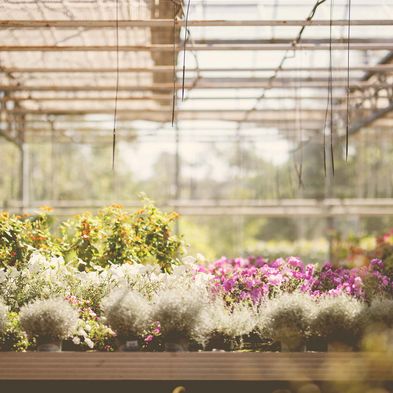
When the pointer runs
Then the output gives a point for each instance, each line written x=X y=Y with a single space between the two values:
x=194 y=366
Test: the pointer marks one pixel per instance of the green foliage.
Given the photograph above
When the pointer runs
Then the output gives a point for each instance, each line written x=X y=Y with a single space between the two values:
x=20 y=236
x=14 y=338
x=117 y=236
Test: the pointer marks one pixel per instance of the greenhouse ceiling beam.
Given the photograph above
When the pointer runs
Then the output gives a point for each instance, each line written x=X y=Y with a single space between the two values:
x=216 y=47
x=102 y=107
x=373 y=100
x=256 y=80
x=202 y=84
x=369 y=120
x=378 y=68
x=158 y=97
x=274 y=123
x=99 y=24
x=165 y=131
x=315 y=119
x=266 y=41
x=220 y=111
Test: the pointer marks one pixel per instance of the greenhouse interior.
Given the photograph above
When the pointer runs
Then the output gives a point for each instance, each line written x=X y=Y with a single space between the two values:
x=196 y=195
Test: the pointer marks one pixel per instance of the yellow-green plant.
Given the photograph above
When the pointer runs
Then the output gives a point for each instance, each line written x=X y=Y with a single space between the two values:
x=118 y=236
x=20 y=236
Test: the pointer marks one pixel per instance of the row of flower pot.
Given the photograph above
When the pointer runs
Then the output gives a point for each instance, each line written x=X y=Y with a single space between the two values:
x=179 y=320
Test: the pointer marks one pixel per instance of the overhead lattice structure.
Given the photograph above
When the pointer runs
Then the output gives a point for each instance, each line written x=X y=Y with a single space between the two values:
x=58 y=63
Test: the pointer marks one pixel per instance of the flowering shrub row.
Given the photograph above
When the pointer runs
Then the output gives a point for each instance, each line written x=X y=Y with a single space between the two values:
x=254 y=278
x=113 y=235
x=216 y=305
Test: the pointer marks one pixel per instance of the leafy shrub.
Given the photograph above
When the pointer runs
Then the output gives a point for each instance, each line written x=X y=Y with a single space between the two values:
x=127 y=313
x=20 y=236
x=13 y=338
x=53 y=318
x=117 y=236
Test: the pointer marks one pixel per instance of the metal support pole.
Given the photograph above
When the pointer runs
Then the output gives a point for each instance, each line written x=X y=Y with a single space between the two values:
x=24 y=176
x=177 y=186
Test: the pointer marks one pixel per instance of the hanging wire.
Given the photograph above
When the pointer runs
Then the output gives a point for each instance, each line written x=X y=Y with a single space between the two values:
x=329 y=101
x=287 y=55
x=186 y=35
x=331 y=84
x=116 y=89
x=348 y=75
x=174 y=64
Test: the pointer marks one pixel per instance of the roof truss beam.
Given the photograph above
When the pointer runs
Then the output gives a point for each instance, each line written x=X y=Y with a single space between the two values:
x=100 y=24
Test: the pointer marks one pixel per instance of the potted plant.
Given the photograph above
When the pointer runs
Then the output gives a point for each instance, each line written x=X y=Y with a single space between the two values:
x=286 y=319
x=377 y=320
x=128 y=314
x=221 y=327
x=49 y=322
x=178 y=311
x=338 y=320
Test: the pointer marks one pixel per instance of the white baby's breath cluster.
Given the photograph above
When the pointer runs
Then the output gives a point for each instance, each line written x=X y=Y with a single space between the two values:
x=379 y=314
x=286 y=316
x=337 y=317
x=218 y=319
x=178 y=311
x=127 y=312
x=52 y=318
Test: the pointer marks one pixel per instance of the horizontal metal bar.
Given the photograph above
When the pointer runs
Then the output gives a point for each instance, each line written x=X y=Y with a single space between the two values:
x=99 y=24
x=202 y=84
x=268 y=208
x=160 y=98
x=218 y=111
x=169 y=69
x=169 y=47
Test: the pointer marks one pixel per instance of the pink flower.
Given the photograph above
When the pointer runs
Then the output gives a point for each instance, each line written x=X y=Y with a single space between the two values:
x=149 y=338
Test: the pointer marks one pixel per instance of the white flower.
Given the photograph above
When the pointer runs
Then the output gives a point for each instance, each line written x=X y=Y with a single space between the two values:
x=76 y=340
x=3 y=275
x=3 y=317
x=12 y=272
x=82 y=332
x=56 y=262
x=189 y=260
x=200 y=258
x=89 y=343
x=37 y=262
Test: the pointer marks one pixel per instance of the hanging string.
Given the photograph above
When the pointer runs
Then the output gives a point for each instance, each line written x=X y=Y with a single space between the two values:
x=116 y=89
x=324 y=129
x=186 y=35
x=174 y=64
x=331 y=84
x=287 y=55
x=348 y=75
x=329 y=102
